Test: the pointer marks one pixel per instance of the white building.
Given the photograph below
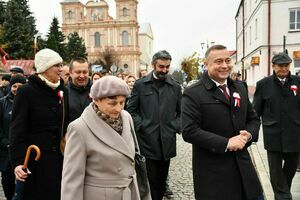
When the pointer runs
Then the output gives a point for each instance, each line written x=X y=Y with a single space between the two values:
x=146 y=45
x=261 y=26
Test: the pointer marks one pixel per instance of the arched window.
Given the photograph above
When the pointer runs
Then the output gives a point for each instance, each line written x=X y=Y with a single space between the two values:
x=97 y=39
x=125 y=11
x=125 y=38
x=70 y=14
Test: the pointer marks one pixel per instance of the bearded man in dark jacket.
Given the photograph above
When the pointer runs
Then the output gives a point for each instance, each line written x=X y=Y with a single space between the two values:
x=155 y=106
x=79 y=87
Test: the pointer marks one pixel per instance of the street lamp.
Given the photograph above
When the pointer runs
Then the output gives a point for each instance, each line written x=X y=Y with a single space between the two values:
x=207 y=45
x=113 y=69
x=35 y=41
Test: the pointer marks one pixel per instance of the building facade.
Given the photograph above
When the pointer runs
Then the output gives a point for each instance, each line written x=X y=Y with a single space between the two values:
x=263 y=29
x=146 y=46
x=101 y=32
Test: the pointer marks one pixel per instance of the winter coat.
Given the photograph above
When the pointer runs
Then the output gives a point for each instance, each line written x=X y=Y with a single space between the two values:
x=5 y=116
x=279 y=107
x=99 y=162
x=37 y=119
x=156 y=115
x=79 y=99
x=208 y=121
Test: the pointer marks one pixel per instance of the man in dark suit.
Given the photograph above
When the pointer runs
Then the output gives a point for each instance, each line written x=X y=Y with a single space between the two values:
x=218 y=119
x=277 y=101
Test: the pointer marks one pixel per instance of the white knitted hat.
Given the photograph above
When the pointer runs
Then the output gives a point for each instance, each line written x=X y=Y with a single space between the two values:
x=46 y=58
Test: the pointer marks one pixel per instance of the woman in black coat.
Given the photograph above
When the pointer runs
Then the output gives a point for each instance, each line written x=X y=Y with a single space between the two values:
x=37 y=119
x=6 y=103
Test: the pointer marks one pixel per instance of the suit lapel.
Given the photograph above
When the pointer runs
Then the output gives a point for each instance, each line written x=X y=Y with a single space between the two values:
x=211 y=86
x=218 y=94
x=107 y=134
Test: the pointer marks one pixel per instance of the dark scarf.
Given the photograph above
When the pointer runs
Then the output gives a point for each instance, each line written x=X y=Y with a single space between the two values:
x=116 y=124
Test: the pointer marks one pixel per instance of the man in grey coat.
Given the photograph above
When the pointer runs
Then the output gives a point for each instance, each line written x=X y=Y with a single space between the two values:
x=277 y=101
x=155 y=107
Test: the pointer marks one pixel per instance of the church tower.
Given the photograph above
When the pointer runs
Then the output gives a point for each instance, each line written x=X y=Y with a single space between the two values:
x=126 y=10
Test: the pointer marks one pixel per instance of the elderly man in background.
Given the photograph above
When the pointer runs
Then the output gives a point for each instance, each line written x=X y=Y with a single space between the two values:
x=276 y=101
x=65 y=74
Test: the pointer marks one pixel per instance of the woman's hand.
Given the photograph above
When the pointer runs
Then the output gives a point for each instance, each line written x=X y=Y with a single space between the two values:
x=20 y=174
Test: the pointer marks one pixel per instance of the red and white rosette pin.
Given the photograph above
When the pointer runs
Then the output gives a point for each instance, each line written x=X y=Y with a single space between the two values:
x=237 y=99
x=294 y=88
x=60 y=94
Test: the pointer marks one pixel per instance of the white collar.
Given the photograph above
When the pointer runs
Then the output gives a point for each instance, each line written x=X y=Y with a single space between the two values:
x=218 y=84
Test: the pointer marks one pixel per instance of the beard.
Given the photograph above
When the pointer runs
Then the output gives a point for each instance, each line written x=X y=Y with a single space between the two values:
x=161 y=75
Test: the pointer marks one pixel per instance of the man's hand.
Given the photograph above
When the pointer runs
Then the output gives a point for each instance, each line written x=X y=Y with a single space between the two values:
x=245 y=135
x=236 y=143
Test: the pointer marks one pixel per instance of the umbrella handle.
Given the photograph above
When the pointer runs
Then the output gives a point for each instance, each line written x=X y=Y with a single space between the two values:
x=37 y=157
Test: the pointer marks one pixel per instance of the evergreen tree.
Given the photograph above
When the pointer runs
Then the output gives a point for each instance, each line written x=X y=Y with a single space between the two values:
x=2 y=13
x=41 y=43
x=56 y=38
x=75 y=47
x=2 y=19
x=19 y=29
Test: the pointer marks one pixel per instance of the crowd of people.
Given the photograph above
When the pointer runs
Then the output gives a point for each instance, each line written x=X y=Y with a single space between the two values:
x=100 y=115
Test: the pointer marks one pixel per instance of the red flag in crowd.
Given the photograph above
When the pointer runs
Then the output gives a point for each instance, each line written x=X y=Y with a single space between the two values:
x=3 y=56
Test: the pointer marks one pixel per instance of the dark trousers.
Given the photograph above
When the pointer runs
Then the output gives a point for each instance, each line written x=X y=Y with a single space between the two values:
x=8 y=184
x=157 y=171
x=282 y=168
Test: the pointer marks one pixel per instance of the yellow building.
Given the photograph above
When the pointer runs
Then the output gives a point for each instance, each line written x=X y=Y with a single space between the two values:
x=100 y=31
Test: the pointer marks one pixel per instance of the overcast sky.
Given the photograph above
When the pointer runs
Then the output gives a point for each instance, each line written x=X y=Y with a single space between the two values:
x=179 y=26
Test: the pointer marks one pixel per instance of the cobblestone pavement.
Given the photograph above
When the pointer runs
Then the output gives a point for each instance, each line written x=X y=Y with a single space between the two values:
x=181 y=179
x=1 y=193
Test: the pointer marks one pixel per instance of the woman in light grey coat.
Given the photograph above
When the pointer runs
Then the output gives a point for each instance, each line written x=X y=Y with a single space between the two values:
x=99 y=154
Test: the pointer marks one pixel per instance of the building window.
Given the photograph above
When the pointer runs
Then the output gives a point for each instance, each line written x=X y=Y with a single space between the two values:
x=297 y=64
x=256 y=25
x=97 y=39
x=295 y=19
x=250 y=35
x=245 y=11
x=245 y=39
x=125 y=38
x=125 y=12
x=70 y=14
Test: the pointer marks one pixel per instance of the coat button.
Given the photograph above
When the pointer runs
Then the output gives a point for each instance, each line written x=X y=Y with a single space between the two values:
x=119 y=169
x=132 y=163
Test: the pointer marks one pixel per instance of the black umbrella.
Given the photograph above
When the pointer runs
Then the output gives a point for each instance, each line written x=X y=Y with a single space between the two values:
x=20 y=184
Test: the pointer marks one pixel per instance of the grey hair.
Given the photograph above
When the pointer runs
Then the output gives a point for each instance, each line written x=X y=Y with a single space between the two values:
x=163 y=55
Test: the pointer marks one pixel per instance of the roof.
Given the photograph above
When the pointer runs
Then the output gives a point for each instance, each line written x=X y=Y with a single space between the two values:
x=145 y=28
x=70 y=1
x=232 y=52
x=98 y=3
x=26 y=65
